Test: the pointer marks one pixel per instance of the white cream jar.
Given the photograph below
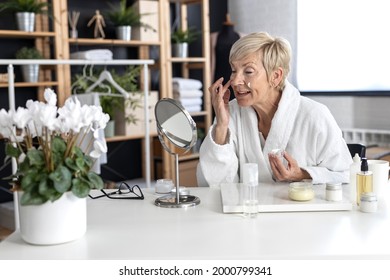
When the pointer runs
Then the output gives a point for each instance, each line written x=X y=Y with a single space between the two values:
x=301 y=191
x=333 y=192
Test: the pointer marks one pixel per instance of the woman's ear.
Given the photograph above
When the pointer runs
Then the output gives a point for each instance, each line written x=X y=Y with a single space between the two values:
x=277 y=77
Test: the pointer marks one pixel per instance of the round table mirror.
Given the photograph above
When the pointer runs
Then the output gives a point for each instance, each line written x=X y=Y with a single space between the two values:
x=177 y=134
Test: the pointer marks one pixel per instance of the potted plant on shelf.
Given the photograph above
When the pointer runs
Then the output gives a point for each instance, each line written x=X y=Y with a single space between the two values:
x=180 y=39
x=113 y=105
x=30 y=72
x=124 y=18
x=54 y=164
x=25 y=11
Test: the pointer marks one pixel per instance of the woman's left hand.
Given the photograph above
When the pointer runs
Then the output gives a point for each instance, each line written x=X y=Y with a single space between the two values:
x=290 y=173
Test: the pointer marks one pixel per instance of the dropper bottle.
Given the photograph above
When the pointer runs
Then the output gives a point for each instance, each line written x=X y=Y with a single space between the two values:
x=363 y=180
x=353 y=170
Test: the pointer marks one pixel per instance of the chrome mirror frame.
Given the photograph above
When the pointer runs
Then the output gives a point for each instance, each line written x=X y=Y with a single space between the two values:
x=163 y=114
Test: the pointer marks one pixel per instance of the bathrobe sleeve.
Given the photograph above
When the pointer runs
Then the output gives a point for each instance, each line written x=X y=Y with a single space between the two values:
x=218 y=163
x=318 y=146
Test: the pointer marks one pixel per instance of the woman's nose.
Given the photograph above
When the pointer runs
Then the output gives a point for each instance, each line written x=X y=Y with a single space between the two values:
x=236 y=80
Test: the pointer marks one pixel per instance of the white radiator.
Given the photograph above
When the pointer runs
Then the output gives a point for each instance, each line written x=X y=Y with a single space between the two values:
x=367 y=137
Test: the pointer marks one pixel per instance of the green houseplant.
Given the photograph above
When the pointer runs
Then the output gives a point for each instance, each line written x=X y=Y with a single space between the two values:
x=47 y=145
x=30 y=72
x=124 y=18
x=180 y=39
x=112 y=105
x=53 y=150
x=25 y=11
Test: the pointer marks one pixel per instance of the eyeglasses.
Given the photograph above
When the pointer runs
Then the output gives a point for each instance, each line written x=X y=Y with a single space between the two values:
x=123 y=192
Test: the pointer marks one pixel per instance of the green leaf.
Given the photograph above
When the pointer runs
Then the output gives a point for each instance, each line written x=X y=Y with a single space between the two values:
x=29 y=181
x=62 y=179
x=95 y=180
x=36 y=157
x=81 y=187
x=58 y=145
x=12 y=151
x=31 y=199
x=71 y=164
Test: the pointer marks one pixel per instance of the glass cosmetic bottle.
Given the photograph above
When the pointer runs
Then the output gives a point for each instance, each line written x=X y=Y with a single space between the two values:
x=363 y=180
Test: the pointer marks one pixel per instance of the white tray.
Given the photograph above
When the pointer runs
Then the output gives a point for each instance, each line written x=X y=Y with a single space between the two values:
x=274 y=198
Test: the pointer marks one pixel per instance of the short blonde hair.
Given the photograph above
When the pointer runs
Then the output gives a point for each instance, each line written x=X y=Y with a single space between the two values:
x=276 y=52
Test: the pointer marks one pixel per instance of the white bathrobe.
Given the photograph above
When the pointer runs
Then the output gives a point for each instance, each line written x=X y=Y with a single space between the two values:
x=304 y=128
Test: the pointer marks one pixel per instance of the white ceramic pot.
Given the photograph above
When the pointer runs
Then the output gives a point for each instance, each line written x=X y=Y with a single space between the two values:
x=55 y=222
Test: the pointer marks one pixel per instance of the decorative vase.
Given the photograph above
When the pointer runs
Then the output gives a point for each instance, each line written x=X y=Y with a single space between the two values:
x=123 y=32
x=25 y=21
x=57 y=222
x=180 y=50
x=30 y=73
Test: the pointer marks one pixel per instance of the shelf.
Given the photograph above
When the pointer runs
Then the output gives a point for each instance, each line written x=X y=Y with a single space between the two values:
x=24 y=34
x=39 y=84
x=115 y=42
x=185 y=1
x=187 y=59
x=119 y=138
x=188 y=157
x=197 y=114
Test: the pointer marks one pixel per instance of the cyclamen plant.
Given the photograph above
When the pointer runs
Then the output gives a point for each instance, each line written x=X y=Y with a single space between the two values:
x=52 y=147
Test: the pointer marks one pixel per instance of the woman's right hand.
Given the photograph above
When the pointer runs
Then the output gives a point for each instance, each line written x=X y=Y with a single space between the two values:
x=220 y=95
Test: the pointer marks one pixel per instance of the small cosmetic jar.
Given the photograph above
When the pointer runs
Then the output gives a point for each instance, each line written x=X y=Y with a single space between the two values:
x=301 y=191
x=368 y=202
x=333 y=192
x=182 y=191
x=164 y=185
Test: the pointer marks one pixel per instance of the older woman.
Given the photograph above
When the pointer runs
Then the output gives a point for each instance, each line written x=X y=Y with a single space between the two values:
x=269 y=113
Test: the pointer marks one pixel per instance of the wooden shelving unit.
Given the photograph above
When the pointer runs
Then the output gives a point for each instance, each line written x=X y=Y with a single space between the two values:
x=203 y=118
x=52 y=38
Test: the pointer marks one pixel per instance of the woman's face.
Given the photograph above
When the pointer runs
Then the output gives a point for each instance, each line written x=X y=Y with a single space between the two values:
x=249 y=81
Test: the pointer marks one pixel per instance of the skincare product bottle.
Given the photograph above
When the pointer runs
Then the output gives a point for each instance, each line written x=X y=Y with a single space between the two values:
x=353 y=170
x=368 y=202
x=334 y=192
x=363 y=180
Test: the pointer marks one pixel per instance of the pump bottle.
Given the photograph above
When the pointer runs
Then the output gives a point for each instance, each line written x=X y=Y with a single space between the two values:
x=353 y=170
x=363 y=180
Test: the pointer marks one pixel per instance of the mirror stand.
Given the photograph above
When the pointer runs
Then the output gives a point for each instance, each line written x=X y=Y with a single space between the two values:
x=175 y=124
x=177 y=200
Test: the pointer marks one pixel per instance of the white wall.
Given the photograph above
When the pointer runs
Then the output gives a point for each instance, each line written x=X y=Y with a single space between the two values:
x=279 y=18
x=359 y=111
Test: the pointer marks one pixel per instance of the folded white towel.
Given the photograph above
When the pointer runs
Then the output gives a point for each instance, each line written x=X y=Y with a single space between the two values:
x=183 y=83
x=193 y=108
x=99 y=54
x=189 y=93
x=190 y=101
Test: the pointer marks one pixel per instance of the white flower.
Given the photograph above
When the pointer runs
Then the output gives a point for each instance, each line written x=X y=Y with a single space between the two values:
x=50 y=97
x=5 y=123
x=99 y=148
x=21 y=117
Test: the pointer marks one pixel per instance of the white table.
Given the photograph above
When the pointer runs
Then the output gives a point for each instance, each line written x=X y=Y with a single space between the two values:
x=136 y=229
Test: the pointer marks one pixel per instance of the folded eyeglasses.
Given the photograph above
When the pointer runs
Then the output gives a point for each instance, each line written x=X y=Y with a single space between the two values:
x=124 y=191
